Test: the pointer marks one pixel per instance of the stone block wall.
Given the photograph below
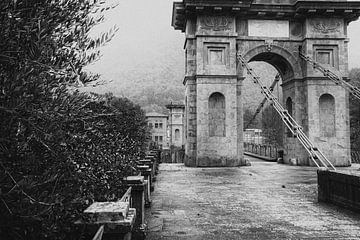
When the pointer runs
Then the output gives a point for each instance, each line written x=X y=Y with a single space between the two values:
x=339 y=188
x=217 y=150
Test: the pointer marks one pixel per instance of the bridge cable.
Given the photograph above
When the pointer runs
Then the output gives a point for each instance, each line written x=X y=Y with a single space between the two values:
x=332 y=76
x=315 y=154
x=262 y=104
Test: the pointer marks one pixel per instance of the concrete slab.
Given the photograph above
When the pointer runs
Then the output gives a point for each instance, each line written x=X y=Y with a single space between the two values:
x=264 y=201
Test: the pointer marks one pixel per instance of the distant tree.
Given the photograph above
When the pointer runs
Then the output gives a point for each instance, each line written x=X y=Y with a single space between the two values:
x=273 y=128
x=247 y=116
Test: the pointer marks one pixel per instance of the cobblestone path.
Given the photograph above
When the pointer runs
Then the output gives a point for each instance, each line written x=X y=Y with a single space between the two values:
x=264 y=201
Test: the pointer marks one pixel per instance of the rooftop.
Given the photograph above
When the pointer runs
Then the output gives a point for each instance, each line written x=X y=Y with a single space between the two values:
x=175 y=105
x=155 y=114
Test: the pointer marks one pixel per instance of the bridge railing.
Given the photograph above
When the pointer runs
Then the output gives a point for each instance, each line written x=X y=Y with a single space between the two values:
x=265 y=150
x=124 y=219
x=355 y=156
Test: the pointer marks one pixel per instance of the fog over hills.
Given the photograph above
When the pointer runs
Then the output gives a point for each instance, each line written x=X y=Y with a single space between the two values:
x=145 y=61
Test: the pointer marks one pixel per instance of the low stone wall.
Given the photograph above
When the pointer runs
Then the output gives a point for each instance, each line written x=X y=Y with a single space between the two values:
x=339 y=188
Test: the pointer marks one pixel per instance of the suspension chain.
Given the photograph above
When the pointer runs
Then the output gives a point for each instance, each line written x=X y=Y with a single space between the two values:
x=262 y=104
x=315 y=154
x=332 y=76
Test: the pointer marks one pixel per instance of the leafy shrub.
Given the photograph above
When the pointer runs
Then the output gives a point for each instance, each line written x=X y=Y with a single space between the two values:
x=60 y=149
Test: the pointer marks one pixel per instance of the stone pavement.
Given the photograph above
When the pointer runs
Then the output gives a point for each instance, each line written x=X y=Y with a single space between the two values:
x=264 y=201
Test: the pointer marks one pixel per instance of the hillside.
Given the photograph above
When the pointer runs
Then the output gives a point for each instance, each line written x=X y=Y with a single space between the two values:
x=156 y=80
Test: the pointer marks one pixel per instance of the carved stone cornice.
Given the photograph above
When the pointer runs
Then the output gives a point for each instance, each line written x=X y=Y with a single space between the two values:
x=349 y=11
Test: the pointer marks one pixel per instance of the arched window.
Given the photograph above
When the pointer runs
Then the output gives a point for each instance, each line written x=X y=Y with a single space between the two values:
x=327 y=115
x=177 y=134
x=289 y=107
x=217 y=115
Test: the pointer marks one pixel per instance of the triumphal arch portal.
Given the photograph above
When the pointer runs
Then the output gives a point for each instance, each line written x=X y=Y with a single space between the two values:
x=272 y=31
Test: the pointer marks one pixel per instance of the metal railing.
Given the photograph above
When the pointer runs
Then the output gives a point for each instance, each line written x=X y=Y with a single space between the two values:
x=355 y=156
x=262 y=149
x=315 y=154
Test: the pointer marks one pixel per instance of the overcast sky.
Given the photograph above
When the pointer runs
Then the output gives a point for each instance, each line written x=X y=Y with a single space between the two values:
x=145 y=38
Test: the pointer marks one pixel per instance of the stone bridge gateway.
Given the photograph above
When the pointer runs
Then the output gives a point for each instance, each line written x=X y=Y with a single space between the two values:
x=269 y=31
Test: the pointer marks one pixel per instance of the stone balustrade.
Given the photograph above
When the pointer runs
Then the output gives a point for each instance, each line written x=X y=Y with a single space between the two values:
x=124 y=219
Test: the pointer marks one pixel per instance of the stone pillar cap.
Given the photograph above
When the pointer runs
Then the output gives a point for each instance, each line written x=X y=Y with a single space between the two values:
x=135 y=179
x=107 y=211
x=145 y=160
x=143 y=167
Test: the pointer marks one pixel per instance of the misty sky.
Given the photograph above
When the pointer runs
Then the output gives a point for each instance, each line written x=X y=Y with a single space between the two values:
x=146 y=40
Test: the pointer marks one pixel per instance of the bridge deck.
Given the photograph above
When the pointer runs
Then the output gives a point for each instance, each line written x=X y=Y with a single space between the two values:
x=264 y=201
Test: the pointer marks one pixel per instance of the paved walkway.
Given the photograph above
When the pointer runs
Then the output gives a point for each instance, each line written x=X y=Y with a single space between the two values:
x=264 y=201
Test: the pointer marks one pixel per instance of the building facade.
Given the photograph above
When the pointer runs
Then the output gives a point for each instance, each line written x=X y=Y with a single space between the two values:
x=158 y=124
x=176 y=124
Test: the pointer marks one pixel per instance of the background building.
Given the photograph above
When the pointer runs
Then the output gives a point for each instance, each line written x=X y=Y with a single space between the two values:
x=176 y=124
x=253 y=136
x=157 y=122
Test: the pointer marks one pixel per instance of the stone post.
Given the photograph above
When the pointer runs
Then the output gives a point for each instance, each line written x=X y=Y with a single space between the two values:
x=154 y=163
x=137 y=199
x=150 y=164
x=146 y=172
x=323 y=185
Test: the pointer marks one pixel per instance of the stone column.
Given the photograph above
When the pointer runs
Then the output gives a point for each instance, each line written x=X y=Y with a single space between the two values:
x=327 y=104
x=137 y=199
x=240 y=120
x=146 y=172
x=190 y=145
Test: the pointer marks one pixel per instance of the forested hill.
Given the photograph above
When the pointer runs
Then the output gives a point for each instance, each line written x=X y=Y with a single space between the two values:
x=159 y=81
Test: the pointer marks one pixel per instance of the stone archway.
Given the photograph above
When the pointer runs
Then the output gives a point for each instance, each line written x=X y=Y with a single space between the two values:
x=285 y=62
x=216 y=31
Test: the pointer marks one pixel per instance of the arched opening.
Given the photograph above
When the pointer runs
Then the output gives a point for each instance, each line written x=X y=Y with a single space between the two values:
x=327 y=115
x=217 y=115
x=267 y=122
x=277 y=61
x=177 y=134
x=267 y=62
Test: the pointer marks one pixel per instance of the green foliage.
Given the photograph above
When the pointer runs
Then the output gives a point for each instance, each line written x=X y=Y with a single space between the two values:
x=248 y=115
x=60 y=149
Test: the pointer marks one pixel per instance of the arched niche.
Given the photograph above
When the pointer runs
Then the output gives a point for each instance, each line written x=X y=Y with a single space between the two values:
x=217 y=115
x=177 y=134
x=327 y=115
